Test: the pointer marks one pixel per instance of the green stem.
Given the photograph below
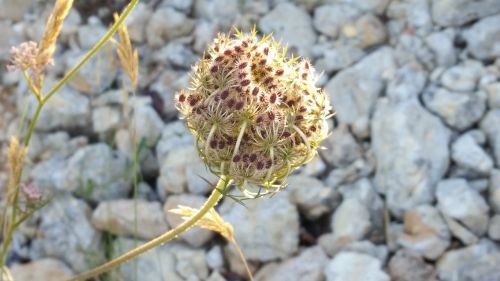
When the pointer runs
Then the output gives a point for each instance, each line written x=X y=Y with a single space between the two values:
x=214 y=198
x=94 y=49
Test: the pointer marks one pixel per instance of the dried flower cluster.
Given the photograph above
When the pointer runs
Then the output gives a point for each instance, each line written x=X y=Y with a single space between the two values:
x=256 y=114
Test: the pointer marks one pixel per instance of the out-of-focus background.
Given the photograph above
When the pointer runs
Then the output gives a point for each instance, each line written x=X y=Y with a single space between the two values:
x=407 y=189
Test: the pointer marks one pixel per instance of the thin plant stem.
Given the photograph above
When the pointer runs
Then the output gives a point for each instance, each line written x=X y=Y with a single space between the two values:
x=213 y=199
x=94 y=49
x=242 y=257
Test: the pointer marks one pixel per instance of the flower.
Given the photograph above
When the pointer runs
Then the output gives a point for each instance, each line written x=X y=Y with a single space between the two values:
x=256 y=115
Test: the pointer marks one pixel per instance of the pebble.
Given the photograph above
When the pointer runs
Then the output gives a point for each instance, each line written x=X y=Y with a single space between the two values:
x=342 y=148
x=266 y=229
x=494 y=190
x=482 y=38
x=166 y=24
x=128 y=217
x=459 y=12
x=407 y=265
x=351 y=220
x=411 y=151
x=291 y=24
x=329 y=19
x=458 y=201
x=494 y=228
x=425 y=232
x=347 y=265
x=489 y=125
x=493 y=91
x=196 y=236
x=468 y=154
x=45 y=269
x=106 y=119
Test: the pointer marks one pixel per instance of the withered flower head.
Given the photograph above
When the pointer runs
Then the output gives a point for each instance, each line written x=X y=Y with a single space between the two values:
x=256 y=114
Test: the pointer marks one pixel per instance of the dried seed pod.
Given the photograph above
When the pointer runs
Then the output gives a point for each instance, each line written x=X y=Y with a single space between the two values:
x=254 y=98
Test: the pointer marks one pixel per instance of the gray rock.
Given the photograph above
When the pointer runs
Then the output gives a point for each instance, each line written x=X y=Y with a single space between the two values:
x=414 y=14
x=259 y=238
x=312 y=198
x=216 y=276
x=10 y=37
x=461 y=232
x=367 y=31
x=166 y=24
x=172 y=261
x=341 y=148
x=68 y=109
x=215 y=257
x=372 y=6
x=174 y=134
x=67 y=234
x=494 y=191
x=489 y=125
x=95 y=76
x=196 y=236
x=149 y=125
x=167 y=84
x=181 y=5
x=90 y=33
x=457 y=109
x=339 y=57
x=347 y=265
x=441 y=43
x=224 y=12
x=292 y=25
x=458 y=12
x=407 y=84
x=493 y=91
x=468 y=154
x=329 y=19
x=411 y=150
x=98 y=173
x=137 y=20
x=463 y=77
x=366 y=247
x=183 y=170
x=356 y=89
x=483 y=38
x=494 y=228
x=204 y=33
x=307 y=266
x=119 y=217
x=406 y=265
x=105 y=119
x=351 y=220
x=14 y=9
x=411 y=48
x=176 y=54
x=425 y=232
x=458 y=201
x=46 y=269
x=477 y=262
x=313 y=168
x=360 y=168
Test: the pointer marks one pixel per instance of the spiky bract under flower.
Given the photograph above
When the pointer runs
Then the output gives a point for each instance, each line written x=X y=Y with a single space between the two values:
x=256 y=114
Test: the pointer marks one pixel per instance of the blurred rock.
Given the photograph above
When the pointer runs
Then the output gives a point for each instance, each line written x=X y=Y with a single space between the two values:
x=458 y=12
x=96 y=172
x=105 y=119
x=313 y=168
x=137 y=20
x=468 y=154
x=46 y=269
x=425 y=232
x=457 y=109
x=341 y=148
x=181 y=5
x=373 y=6
x=119 y=217
x=339 y=57
x=196 y=236
x=266 y=229
x=406 y=265
x=172 y=261
x=441 y=43
x=358 y=169
x=292 y=25
x=355 y=89
x=67 y=234
x=347 y=265
x=351 y=220
x=411 y=150
x=494 y=191
x=494 y=228
x=367 y=31
x=329 y=19
x=167 y=84
x=493 y=91
x=413 y=14
x=215 y=257
x=174 y=134
x=149 y=125
x=90 y=33
x=477 y=262
x=14 y=10
x=463 y=77
x=166 y=24
x=177 y=55
x=489 y=125
x=312 y=198
x=224 y=12
x=483 y=37
x=458 y=201
x=307 y=266
x=204 y=33
x=407 y=84
x=461 y=232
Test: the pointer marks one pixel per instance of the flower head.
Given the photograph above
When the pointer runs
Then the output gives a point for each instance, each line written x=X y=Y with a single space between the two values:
x=256 y=114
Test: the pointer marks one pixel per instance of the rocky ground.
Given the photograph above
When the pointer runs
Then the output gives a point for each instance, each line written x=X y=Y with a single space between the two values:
x=408 y=188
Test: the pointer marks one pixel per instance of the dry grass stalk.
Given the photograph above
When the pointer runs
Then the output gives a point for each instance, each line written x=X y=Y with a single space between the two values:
x=53 y=27
x=214 y=222
x=16 y=155
x=128 y=56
